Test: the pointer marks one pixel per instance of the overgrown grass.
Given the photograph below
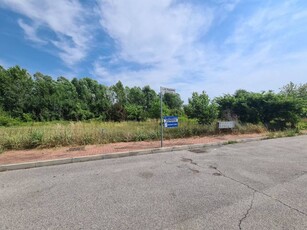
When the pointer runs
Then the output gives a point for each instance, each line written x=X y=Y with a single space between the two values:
x=303 y=124
x=54 y=134
x=285 y=133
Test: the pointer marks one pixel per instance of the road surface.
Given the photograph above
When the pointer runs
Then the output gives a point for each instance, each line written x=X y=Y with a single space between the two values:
x=256 y=185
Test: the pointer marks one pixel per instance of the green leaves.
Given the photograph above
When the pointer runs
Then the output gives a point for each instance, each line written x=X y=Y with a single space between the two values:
x=276 y=111
x=201 y=108
x=41 y=98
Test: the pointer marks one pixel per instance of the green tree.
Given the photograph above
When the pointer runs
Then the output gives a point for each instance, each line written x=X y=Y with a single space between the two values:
x=135 y=112
x=201 y=108
x=173 y=101
x=66 y=103
x=120 y=93
x=155 y=109
x=42 y=104
x=298 y=92
x=117 y=112
x=276 y=111
x=15 y=88
x=136 y=96
x=150 y=97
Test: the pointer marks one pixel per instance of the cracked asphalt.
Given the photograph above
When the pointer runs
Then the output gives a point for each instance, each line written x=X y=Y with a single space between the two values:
x=256 y=185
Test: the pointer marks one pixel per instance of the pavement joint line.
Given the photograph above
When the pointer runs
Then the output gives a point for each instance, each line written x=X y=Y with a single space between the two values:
x=60 y=161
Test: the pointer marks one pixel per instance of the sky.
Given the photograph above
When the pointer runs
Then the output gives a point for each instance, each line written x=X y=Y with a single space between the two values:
x=216 y=46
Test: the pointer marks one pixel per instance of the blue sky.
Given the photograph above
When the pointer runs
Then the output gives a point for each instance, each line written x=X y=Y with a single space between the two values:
x=214 y=45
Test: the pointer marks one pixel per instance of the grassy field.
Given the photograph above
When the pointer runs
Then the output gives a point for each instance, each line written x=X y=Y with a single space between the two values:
x=46 y=135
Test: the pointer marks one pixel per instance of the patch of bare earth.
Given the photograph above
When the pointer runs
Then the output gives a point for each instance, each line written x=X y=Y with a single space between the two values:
x=21 y=156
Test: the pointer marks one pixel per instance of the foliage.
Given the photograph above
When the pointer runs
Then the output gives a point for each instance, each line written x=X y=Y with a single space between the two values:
x=276 y=111
x=117 y=112
x=155 y=109
x=8 y=121
x=298 y=92
x=135 y=112
x=173 y=101
x=27 y=98
x=199 y=107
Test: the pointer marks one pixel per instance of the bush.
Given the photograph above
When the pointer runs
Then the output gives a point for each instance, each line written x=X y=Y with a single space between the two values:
x=35 y=139
x=275 y=111
x=8 y=121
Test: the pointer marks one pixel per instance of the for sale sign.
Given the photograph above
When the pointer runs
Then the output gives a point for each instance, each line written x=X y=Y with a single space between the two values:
x=170 y=121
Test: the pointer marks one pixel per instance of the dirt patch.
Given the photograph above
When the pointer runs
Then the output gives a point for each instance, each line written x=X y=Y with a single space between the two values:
x=21 y=156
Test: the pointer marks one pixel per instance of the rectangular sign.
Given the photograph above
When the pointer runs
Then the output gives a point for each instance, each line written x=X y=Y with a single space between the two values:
x=167 y=90
x=227 y=124
x=170 y=121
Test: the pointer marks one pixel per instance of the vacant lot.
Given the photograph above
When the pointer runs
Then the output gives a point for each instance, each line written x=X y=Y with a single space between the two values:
x=46 y=135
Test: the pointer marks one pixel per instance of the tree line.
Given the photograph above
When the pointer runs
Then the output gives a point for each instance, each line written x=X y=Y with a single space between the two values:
x=42 y=98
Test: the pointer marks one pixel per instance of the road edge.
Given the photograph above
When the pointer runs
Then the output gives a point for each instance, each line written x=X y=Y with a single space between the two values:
x=36 y=164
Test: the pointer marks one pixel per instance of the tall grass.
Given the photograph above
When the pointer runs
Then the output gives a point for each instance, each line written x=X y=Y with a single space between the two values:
x=303 y=124
x=46 y=135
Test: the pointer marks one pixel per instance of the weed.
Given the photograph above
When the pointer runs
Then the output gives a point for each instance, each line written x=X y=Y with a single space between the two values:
x=231 y=142
x=54 y=134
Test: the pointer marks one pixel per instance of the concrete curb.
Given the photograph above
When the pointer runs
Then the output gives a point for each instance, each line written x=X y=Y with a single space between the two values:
x=37 y=164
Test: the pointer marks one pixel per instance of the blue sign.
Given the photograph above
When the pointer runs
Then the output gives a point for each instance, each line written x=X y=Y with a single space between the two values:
x=170 y=121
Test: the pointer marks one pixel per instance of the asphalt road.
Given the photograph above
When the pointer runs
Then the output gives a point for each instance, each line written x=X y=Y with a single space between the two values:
x=256 y=185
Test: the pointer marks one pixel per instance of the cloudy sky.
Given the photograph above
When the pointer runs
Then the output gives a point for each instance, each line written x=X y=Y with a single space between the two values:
x=190 y=45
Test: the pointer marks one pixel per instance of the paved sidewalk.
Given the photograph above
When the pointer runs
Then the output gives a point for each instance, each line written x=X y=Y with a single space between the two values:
x=22 y=156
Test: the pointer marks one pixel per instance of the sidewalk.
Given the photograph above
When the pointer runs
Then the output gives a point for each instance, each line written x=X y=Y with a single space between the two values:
x=22 y=156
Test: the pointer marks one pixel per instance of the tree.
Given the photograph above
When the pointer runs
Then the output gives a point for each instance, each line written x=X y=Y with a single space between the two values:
x=155 y=109
x=120 y=92
x=43 y=100
x=66 y=103
x=136 y=96
x=275 y=111
x=15 y=88
x=117 y=112
x=298 y=92
x=173 y=101
x=150 y=97
x=135 y=112
x=201 y=108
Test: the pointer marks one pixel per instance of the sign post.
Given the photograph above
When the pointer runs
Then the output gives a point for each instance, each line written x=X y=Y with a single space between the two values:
x=164 y=90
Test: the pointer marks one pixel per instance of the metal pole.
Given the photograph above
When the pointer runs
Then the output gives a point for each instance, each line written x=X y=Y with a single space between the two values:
x=161 y=117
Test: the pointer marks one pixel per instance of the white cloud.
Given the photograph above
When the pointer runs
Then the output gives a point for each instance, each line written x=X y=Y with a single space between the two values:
x=166 y=35
x=188 y=45
x=162 y=35
x=66 y=19
x=31 y=32
x=152 y=31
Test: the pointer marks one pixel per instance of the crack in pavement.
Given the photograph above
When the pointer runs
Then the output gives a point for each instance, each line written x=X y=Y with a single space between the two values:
x=246 y=185
x=189 y=160
x=247 y=211
x=193 y=170
x=258 y=191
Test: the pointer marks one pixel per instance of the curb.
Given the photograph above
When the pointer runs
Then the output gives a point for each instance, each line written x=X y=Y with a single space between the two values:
x=37 y=164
